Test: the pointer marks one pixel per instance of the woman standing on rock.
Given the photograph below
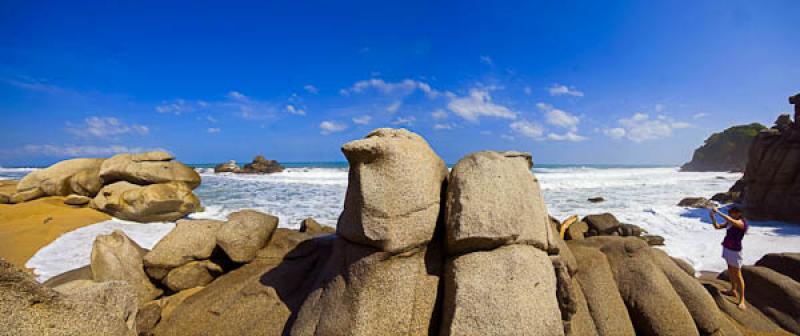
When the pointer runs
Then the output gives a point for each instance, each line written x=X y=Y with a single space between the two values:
x=732 y=248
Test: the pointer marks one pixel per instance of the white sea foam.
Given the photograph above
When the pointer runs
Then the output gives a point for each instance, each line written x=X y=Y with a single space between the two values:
x=73 y=249
x=643 y=196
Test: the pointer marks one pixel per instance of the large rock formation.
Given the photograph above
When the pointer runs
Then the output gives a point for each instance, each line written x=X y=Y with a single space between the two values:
x=144 y=187
x=151 y=203
x=499 y=279
x=393 y=191
x=772 y=178
x=147 y=168
x=726 y=151
x=76 y=176
x=493 y=199
x=30 y=309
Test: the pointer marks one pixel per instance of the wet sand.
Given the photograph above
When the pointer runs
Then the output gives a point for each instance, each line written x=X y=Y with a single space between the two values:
x=27 y=227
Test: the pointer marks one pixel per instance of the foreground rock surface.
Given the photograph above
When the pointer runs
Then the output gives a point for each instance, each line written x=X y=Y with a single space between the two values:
x=117 y=257
x=507 y=291
x=28 y=308
x=190 y=240
x=245 y=233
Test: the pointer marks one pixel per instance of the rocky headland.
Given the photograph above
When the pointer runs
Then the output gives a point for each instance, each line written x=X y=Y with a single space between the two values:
x=416 y=251
x=724 y=151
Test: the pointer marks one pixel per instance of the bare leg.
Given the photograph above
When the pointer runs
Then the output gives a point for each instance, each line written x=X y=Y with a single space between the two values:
x=739 y=287
x=734 y=283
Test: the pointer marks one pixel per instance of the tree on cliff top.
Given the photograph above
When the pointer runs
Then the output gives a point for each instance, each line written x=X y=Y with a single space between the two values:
x=726 y=151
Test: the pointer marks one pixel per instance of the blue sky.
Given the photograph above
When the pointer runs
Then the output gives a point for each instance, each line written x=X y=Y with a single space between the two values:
x=629 y=82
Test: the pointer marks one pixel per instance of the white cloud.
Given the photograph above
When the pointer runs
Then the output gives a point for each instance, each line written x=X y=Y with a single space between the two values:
x=439 y=114
x=236 y=95
x=33 y=84
x=213 y=130
x=479 y=104
x=79 y=151
x=442 y=126
x=362 y=120
x=528 y=90
x=407 y=121
x=394 y=107
x=234 y=102
x=640 y=127
x=404 y=87
x=177 y=107
x=507 y=137
x=700 y=115
x=295 y=110
x=616 y=133
x=528 y=128
x=311 y=89
x=559 y=118
x=680 y=124
x=329 y=127
x=569 y=136
x=487 y=60
x=561 y=90
x=105 y=127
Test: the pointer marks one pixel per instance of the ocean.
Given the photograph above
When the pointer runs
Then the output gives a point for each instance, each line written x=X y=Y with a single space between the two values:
x=641 y=195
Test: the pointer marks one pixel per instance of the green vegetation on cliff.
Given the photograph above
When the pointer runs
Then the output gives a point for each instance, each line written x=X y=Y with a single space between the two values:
x=726 y=151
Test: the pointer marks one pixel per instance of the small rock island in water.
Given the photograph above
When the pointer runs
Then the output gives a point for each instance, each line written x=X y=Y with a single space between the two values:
x=260 y=165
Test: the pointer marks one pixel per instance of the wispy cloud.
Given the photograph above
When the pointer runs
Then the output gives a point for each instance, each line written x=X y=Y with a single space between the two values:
x=700 y=115
x=329 y=126
x=404 y=121
x=176 y=106
x=439 y=114
x=213 y=130
x=362 y=120
x=641 y=127
x=443 y=126
x=404 y=87
x=105 y=127
x=295 y=110
x=561 y=90
x=33 y=84
x=487 y=60
x=311 y=89
x=615 y=133
x=479 y=104
x=394 y=107
x=569 y=136
x=558 y=117
x=82 y=151
x=528 y=129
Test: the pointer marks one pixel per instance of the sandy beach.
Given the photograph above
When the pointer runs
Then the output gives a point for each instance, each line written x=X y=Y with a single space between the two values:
x=27 y=227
